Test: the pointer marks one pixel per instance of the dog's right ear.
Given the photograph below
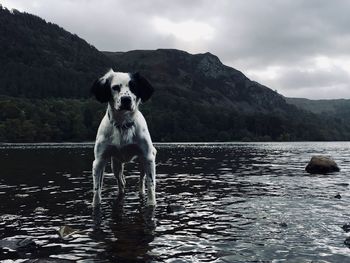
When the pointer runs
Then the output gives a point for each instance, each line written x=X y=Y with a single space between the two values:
x=102 y=89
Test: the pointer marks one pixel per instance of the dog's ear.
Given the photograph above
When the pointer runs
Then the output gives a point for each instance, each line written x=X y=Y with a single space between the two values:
x=102 y=89
x=142 y=88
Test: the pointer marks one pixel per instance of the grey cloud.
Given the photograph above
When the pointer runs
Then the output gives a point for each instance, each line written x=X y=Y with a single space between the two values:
x=299 y=79
x=285 y=31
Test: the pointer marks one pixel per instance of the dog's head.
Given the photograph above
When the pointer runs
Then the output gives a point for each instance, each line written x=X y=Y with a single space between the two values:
x=124 y=91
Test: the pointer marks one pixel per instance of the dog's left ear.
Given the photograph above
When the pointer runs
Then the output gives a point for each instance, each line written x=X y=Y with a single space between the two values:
x=142 y=87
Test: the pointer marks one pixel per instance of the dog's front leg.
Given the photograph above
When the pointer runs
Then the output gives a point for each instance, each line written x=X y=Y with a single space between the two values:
x=118 y=169
x=142 y=179
x=150 y=171
x=98 y=167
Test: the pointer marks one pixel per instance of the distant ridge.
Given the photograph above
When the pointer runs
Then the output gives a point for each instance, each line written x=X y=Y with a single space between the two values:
x=320 y=106
x=334 y=108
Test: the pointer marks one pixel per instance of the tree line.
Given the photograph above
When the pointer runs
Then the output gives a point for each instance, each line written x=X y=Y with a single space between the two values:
x=58 y=120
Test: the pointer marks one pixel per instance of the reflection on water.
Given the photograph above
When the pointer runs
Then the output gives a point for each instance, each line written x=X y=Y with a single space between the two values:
x=216 y=202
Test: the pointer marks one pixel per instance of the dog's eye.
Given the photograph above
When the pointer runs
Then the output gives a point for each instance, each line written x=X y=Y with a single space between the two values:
x=116 y=87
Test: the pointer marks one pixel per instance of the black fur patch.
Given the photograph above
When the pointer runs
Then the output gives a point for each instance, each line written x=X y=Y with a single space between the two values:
x=140 y=87
x=102 y=91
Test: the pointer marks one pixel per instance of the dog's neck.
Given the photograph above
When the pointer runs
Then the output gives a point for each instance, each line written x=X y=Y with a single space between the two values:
x=122 y=120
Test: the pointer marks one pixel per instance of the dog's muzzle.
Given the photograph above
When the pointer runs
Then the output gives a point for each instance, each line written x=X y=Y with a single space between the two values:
x=125 y=103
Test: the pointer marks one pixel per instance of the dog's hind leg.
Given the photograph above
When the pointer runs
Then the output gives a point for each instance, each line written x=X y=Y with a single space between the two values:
x=98 y=167
x=118 y=168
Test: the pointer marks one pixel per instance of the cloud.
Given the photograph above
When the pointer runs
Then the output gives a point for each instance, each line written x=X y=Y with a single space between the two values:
x=321 y=76
x=187 y=31
x=280 y=43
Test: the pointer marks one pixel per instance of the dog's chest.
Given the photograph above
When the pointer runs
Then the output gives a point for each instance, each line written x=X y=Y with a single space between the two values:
x=122 y=137
x=123 y=145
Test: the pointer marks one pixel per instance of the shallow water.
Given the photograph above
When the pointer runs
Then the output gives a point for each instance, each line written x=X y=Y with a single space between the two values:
x=216 y=203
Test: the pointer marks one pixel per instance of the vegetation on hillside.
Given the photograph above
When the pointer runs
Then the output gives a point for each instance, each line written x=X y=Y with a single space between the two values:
x=42 y=60
x=47 y=120
x=337 y=108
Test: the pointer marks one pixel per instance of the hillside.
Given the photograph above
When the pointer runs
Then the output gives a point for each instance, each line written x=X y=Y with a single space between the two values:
x=338 y=109
x=46 y=73
x=200 y=78
x=331 y=106
x=199 y=95
x=40 y=59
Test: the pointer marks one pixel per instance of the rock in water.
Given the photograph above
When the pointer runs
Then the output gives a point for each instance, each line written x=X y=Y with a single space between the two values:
x=321 y=165
x=174 y=208
x=347 y=242
x=338 y=196
x=346 y=228
x=66 y=231
x=18 y=244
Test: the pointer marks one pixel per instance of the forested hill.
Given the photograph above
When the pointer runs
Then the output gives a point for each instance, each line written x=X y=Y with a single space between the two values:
x=46 y=74
x=40 y=59
x=198 y=97
x=199 y=79
x=334 y=108
x=337 y=107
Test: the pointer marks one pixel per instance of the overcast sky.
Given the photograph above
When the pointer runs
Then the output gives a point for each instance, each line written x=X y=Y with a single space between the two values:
x=301 y=48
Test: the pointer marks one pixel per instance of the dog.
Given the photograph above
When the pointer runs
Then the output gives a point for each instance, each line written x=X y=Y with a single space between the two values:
x=123 y=134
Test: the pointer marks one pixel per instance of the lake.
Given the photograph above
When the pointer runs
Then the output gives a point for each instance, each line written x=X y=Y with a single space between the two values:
x=237 y=202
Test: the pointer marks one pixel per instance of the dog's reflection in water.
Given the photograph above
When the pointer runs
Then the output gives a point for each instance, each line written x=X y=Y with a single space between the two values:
x=127 y=231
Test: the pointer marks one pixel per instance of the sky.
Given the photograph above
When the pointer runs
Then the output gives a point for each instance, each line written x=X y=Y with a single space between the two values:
x=300 y=48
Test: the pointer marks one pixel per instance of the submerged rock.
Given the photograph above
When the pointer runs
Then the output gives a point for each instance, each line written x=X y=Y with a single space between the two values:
x=173 y=208
x=40 y=210
x=66 y=232
x=347 y=242
x=9 y=217
x=346 y=228
x=283 y=224
x=321 y=165
x=17 y=244
x=337 y=196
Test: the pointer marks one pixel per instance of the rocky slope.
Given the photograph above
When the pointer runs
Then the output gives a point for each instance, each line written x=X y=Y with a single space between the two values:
x=201 y=78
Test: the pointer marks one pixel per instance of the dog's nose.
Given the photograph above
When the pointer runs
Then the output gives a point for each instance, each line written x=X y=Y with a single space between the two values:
x=125 y=100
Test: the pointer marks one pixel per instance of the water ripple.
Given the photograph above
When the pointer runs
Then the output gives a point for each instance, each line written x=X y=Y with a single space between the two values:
x=216 y=203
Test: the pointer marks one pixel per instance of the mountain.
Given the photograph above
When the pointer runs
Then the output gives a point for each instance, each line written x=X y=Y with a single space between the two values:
x=46 y=74
x=201 y=96
x=202 y=78
x=40 y=59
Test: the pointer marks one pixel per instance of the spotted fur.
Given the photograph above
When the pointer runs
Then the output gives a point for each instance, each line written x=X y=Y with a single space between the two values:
x=123 y=133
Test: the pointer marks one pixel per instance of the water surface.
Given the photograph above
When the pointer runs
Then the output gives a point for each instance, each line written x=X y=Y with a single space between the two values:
x=244 y=202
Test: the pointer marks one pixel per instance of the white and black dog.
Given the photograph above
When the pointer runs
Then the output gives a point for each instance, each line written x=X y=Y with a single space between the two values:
x=123 y=133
